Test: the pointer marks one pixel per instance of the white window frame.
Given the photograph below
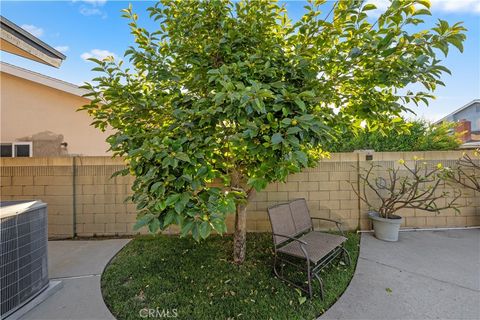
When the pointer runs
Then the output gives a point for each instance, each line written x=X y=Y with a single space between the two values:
x=21 y=143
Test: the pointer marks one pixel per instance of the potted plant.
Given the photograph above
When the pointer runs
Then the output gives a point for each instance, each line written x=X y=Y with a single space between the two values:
x=388 y=190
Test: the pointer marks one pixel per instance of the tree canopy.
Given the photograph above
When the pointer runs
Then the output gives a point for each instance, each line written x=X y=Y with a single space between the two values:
x=236 y=93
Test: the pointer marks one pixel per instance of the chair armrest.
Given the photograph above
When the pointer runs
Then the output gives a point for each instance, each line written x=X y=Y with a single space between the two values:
x=331 y=220
x=337 y=223
x=291 y=238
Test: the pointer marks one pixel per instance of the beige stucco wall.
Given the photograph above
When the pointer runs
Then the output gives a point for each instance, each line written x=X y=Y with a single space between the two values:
x=28 y=108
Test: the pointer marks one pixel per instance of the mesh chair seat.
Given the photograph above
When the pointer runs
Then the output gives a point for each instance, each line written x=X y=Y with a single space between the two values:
x=319 y=244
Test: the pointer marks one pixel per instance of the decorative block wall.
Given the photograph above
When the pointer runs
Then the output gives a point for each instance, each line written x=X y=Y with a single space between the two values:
x=83 y=199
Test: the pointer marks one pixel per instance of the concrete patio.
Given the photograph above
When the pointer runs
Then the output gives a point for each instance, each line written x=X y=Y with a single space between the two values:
x=79 y=265
x=426 y=275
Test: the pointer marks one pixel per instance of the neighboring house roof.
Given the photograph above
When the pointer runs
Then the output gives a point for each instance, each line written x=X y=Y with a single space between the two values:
x=16 y=40
x=42 y=79
x=458 y=110
x=470 y=145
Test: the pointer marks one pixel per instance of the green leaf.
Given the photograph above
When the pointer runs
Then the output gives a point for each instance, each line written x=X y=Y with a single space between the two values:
x=187 y=227
x=385 y=41
x=443 y=47
x=369 y=6
x=219 y=98
x=123 y=172
x=95 y=60
x=169 y=218
x=422 y=59
x=286 y=121
x=205 y=229
x=293 y=130
x=302 y=158
x=300 y=104
x=195 y=233
x=258 y=105
x=213 y=71
x=154 y=225
x=258 y=183
x=180 y=204
x=160 y=205
x=219 y=226
x=442 y=68
x=143 y=221
x=306 y=117
x=425 y=3
x=422 y=12
x=182 y=156
x=276 y=138
x=155 y=186
x=172 y=199
x=457 y=42
x=308 y=94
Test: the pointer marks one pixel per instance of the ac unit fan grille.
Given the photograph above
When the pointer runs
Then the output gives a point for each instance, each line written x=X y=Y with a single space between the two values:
x=23 y=258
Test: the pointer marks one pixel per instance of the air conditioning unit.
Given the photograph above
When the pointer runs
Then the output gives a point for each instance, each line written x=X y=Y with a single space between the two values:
x=23 y=253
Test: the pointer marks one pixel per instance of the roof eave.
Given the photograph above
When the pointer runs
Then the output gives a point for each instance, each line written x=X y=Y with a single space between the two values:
x=29 y=45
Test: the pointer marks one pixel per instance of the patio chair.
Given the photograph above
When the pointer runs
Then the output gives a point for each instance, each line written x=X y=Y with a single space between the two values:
x=297 y=243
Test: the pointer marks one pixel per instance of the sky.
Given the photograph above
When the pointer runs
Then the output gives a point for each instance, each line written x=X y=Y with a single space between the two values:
x=94 y=28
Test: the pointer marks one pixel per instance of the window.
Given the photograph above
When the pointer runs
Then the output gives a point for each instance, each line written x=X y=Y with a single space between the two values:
x=6 y=150
x=477 y=108
x=16 y=149
x=21 y=150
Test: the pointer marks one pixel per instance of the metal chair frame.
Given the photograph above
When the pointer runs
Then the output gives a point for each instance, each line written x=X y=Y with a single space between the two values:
x=305 y=264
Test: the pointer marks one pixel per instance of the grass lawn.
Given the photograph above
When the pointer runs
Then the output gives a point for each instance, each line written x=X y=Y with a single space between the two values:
x=200 y=281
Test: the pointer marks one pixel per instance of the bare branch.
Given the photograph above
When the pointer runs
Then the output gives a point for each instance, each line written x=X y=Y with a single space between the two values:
x=467 y=173
x=416 y=190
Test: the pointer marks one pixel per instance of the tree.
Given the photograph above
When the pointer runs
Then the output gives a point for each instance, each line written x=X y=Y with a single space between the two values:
x=418 y=136
x=237 y=94
x=467 y=171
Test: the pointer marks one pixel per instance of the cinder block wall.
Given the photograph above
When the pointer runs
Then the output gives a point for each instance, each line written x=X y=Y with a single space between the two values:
x=48 y=179
x=80 y=189
x=98 y=206
x=326 y=188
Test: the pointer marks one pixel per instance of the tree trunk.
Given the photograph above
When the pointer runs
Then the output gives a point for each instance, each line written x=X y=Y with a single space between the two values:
x=240 y=235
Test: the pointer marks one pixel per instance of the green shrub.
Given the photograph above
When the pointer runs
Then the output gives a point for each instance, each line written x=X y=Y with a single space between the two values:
x=421 y=136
